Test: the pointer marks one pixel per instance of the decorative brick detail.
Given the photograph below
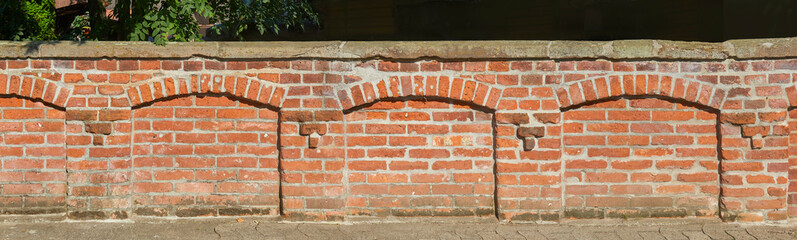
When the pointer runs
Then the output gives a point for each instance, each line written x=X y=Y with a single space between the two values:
x=243 y=87
x=35 y=87
x=687 y=89
x=313 y=133
x=529 y=135
x=468 y=90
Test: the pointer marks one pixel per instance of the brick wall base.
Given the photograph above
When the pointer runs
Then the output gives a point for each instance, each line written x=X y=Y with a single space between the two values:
x=324 y=140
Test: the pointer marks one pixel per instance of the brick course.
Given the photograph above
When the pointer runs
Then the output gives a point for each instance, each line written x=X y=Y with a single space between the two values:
x=521 y=139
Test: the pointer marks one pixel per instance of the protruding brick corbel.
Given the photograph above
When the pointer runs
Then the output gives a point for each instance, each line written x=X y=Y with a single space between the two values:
x=757 y=141
x=529 y=136
x=313 y=133
x=99 y=130
x=103 y=128
x=756 y=135
x=512 y=118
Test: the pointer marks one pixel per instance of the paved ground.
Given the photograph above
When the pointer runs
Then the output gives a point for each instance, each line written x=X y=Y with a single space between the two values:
x=252 y=228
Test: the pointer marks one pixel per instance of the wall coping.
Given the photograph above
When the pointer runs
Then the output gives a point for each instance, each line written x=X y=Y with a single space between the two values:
x=408 y=50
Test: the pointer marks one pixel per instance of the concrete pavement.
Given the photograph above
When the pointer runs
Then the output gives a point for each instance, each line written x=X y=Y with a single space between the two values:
x=260 y=228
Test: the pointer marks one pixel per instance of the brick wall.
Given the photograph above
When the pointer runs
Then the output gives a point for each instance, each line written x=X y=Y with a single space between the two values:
x=338 y=138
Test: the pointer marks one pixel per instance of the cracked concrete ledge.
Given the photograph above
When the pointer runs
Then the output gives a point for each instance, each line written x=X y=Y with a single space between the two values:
x=409 y=50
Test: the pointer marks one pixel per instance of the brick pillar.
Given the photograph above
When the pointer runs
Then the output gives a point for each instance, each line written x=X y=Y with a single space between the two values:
x=528 y=144
x=311 y=145
x=98 y=134
x=311 y=165
x=528 y=168
x=792 y=188
x=754 y=166
x=98 y=163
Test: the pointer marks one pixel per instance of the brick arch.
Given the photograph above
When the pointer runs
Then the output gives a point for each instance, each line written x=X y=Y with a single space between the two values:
x=468 y=91
x=687 y=89
x=244 y=87
x=36 y=88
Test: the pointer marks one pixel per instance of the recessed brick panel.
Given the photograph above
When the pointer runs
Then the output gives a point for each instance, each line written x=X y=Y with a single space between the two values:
x=420 y=158
x=204 y=155
x=33 y=156
x=632 y=158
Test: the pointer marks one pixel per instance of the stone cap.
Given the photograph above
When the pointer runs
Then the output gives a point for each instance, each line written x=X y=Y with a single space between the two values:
x=409 y=50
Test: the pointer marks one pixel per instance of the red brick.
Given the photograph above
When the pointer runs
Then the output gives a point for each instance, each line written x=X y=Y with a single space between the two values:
x=742 y=192
x=697 y=177
x=106 y=65
x=367 y=165
x=428 y=153
x=586 y=190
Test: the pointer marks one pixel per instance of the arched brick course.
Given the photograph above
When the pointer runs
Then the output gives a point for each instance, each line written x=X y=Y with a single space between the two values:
x=243 y=87
x=680 y=88
x=35 y=87
x=469 y=91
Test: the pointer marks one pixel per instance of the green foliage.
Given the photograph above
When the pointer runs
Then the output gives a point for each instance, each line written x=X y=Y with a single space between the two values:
x=236 y=16
x=42 y=15
x=10 y=14
x=80 y=27
x=159 y=21
x=27 y=20
x=162 y=21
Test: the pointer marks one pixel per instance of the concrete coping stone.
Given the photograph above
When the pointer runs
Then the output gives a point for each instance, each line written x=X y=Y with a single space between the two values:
x=411 y=50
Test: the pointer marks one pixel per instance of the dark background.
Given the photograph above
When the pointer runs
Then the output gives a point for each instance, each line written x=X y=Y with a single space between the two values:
x=694 y=20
